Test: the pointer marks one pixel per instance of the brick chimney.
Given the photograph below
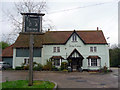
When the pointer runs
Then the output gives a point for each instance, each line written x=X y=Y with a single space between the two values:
x=97 y=28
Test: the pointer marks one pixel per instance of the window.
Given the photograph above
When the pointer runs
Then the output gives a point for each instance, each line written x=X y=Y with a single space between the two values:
x=24 y=52
x=95 y=49
x=91 y=49
x=57 y=62
x=37 y=52
x=56 y=49
x=74 y=38
x=93 y=62
x=26 y=61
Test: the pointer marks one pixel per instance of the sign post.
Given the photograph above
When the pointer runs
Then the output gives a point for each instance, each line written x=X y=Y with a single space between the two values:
x=31 y=61
x=32 y=23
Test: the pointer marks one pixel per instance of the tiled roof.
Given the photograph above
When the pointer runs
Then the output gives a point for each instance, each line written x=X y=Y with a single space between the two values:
x=8 y=52
x=24 y=38
x=94 y=57
x=60 y=37
x=92 y=37
x=56 y=57
x=54 y=37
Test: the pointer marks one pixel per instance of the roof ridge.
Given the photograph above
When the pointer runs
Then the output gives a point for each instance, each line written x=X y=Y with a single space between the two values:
x=77 y=31
x=9 y=46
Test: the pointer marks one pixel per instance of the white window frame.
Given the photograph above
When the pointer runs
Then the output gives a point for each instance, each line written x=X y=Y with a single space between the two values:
x=26 y=61
x=93 y=62
x=95 y=49
x=56 y=61
x=56 y=49
x=90 y=62
x=98 y=62
x=91 y=49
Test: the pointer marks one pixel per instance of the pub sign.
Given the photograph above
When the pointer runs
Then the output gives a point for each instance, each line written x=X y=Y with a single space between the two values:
x=32 y=24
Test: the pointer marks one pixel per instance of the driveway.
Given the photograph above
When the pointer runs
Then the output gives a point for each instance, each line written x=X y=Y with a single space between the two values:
x=69 y=80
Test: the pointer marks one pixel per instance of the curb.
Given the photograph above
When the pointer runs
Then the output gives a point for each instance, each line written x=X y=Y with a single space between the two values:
x=55 y=87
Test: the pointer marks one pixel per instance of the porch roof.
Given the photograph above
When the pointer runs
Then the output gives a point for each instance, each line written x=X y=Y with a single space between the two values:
x=75 y=50
x=95 y=57
x=56 y=57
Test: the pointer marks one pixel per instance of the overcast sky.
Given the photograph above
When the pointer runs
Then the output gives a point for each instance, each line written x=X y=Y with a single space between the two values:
x=75 y=15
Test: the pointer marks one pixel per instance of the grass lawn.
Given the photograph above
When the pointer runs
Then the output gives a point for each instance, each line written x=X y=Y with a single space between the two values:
x=24 y=84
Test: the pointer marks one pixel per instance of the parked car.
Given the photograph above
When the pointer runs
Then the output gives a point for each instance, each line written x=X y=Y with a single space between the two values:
x=4 y=65
x=118 y=66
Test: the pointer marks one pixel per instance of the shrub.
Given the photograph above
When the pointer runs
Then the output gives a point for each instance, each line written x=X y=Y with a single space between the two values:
x=35 y=64
x=63 y=65
x=54 y=68
x=10 y=69
x=105 y=70
x=65 y=70
x=26 y=67
x=38 y=67
x=48 y=66
x=45 y=67
x=59 y=69
x=18 y=68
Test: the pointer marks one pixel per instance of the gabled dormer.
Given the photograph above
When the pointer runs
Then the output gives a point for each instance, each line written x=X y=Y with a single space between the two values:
x=74 y=37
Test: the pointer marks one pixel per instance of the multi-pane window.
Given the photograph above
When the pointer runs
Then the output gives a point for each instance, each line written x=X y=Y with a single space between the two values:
x=93 y=49
x=93 y=62
x=57 y=62
x=56 y=49
x=74 y=38
x=26 y=61
x=24 y=52
x=88 y=62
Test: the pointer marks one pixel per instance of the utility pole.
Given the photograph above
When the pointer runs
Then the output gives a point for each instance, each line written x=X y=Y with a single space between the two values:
x=31 y=61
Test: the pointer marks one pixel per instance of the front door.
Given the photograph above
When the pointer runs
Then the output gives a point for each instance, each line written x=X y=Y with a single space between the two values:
x=76 y=63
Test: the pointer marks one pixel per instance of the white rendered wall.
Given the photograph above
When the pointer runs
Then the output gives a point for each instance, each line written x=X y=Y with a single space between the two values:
x=84 y=50
x=65 y=51
x=17 y=61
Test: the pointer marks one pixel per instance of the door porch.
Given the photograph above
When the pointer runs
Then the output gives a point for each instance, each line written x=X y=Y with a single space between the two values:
x=75 y=60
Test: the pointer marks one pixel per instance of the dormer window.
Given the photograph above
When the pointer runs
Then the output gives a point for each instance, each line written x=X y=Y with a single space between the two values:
x=74 y=38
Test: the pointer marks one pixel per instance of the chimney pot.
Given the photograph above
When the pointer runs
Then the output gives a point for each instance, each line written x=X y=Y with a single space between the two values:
x=48 y=29
x=97 y=28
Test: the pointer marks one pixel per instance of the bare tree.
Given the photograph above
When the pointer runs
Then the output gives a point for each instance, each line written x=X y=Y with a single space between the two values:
x=25 y=6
